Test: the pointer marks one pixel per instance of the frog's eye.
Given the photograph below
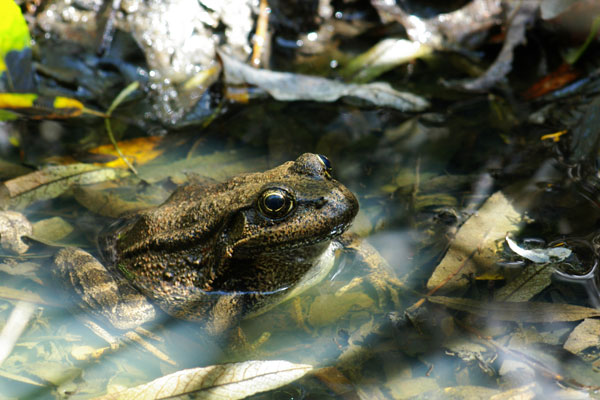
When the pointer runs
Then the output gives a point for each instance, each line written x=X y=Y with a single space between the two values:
x=275 y=203
x=326 y=163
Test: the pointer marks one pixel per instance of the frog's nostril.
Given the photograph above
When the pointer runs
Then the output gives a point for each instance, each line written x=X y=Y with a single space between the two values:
x=320 y=202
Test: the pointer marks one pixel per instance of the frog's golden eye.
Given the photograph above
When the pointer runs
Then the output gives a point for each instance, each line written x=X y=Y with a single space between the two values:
x=275 y=203
x=326 y=163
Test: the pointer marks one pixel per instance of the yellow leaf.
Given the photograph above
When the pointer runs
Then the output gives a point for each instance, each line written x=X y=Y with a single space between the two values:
x=14 y=35
x=13 y=101
x=140 y=150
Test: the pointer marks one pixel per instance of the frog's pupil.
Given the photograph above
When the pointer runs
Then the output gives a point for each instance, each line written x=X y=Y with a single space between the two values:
x=274 y=202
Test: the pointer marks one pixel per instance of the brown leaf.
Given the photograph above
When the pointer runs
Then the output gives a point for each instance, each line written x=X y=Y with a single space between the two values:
x=531 y=281
x=53 y=181
x=474 y=247
x=227 y=381
x=583 y=337
x=51 y=230
x=534 y=312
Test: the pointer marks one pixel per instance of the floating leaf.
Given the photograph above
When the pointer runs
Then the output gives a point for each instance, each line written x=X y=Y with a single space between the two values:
x=13 y=226
x=286 y=86
x=52 y=181
x=227 y=381
x=540 y=256
x=533 y=312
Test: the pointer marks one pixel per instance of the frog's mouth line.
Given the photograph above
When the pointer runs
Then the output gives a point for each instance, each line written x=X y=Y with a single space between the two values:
x=310 y=241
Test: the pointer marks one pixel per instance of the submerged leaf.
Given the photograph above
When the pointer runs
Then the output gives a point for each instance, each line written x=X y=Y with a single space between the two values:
x=474 y=247
x=583 y=337
x=53 y=181
x=286 y=86
x=139 y=150
x=534 y=312
x=227 y=381
x=51 y=230
x=531 y=281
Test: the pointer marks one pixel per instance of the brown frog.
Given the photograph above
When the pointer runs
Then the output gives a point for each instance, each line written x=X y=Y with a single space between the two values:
x=217 y=252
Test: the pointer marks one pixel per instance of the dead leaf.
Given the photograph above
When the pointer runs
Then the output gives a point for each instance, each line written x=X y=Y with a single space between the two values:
x=402 y=388
x=13 y=226
x=23 y=269
x=16 y=294
x=107 y=204
x=138 y=150
x=473 y=250
x=328 y=308
x=53 y=181
x=463 y=392
x=531 y=281
x=552 y=254
x=227 y=381
x=584 y=336
x=534 y=312
x=285 y=86
x=51 y=230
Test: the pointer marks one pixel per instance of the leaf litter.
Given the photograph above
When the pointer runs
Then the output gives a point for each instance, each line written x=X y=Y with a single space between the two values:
x=227 y=381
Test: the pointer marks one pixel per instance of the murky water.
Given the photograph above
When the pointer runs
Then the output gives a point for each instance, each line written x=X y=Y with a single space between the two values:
x=417 y=178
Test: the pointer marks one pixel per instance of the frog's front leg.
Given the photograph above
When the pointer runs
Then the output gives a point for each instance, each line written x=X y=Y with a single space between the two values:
x=99 y=292
x=379 y=274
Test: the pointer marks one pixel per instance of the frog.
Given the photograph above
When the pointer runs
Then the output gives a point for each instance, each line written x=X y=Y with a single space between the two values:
x=218 y=252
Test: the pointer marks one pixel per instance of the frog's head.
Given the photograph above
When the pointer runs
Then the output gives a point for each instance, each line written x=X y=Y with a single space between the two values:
x=297 y=204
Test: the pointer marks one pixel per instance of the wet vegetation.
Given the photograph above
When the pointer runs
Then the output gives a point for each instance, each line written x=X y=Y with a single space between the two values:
x=468 y=130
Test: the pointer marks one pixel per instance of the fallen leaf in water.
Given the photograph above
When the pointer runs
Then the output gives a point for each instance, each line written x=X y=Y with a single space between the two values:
x=463 y=392
x=53 y=181
x=107 y=204
x=227 y=381
x=533 y=312
x=13 y=226
x=539 y=255
x=403 y=388
x=16 y=294
x=23 y=269
x=328 y=308
x=51 y=230
x=584 y=337
x=285 y=86
x=138 y=150
x=384 y=56
x=531 y=281
x=473 y=250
